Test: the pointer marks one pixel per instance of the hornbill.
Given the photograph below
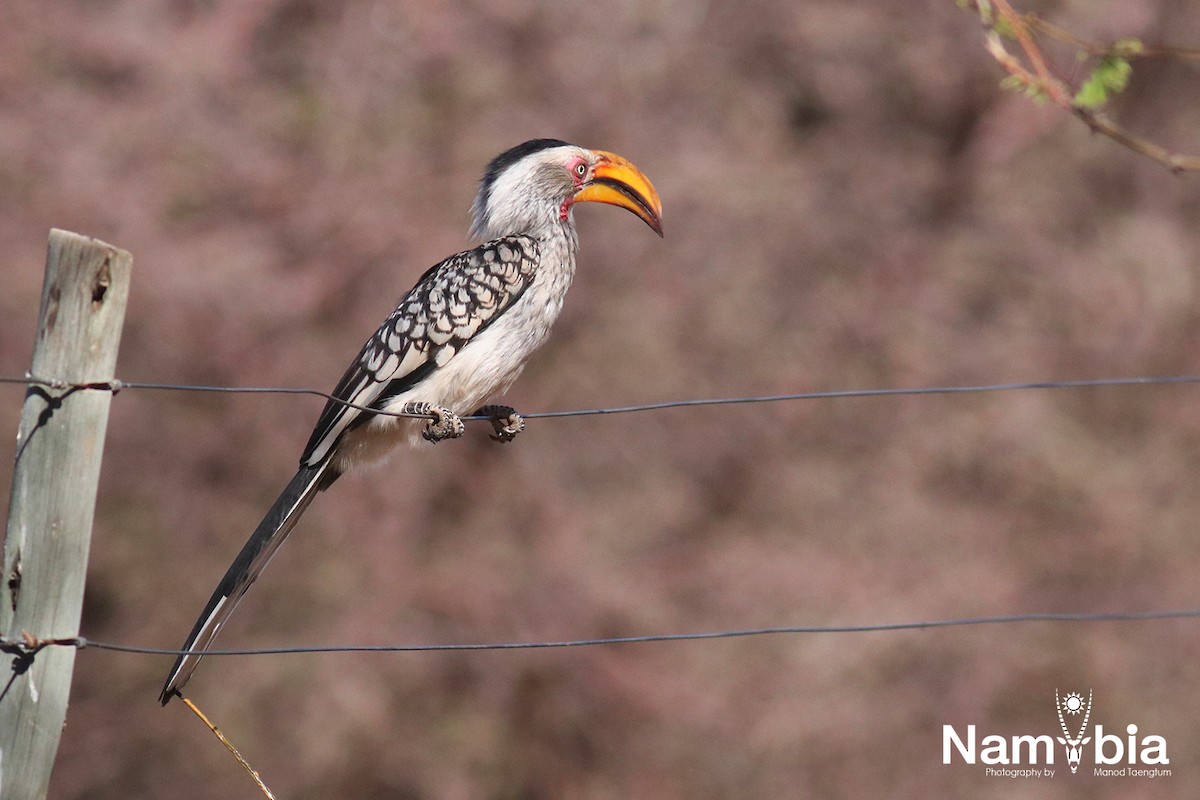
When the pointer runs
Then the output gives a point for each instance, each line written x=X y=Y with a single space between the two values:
x=461 y=335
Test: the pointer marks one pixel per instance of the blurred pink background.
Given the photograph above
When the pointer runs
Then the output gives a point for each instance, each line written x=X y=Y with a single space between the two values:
x=850 y=202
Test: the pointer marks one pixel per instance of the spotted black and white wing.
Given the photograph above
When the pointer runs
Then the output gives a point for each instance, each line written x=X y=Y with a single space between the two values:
x=451 y=303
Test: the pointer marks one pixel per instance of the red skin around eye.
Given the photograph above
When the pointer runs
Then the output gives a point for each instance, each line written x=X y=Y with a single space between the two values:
x=571 y=166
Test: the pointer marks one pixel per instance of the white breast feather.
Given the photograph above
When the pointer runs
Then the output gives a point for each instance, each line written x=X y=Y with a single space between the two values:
x=484 y=368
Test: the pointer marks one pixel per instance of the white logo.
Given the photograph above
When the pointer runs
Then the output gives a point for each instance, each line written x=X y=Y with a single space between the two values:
x=1073 y=705
x=1032 y=755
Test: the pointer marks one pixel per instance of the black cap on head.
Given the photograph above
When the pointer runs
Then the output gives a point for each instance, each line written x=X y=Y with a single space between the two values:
x=510 y=157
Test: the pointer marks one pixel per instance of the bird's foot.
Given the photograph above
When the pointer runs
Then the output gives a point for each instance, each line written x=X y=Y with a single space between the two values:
x=505 y=421
x=445 y=424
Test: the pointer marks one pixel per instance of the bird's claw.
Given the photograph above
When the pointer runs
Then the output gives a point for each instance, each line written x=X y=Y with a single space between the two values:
x=506 y=422
x=447 y=425
x=444 y=423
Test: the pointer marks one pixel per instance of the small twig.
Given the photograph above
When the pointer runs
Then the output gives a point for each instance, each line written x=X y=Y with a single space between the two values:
x=1103 y=125
x=253 y=773
x=1038 y=77
x=1099 y=49
x=1053 y=87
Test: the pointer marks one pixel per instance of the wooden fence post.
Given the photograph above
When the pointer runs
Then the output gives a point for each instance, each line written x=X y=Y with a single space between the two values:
x=59 y=447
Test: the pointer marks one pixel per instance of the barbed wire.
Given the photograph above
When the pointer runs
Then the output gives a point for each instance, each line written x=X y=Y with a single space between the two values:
x=31 y=644
x=116 y=386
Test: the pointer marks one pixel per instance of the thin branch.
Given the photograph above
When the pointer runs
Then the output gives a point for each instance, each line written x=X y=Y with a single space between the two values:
x=251 y=771
x=1053 y=87
x=1099 y=49
x=1038 y=78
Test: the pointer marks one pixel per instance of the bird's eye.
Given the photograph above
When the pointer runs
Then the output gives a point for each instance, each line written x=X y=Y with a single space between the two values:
x=581 y=170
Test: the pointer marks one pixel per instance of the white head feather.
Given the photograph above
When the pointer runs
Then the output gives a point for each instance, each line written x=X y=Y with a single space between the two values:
x=523 y=189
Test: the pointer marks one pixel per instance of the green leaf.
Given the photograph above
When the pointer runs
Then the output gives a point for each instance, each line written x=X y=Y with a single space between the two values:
x=1110 y=77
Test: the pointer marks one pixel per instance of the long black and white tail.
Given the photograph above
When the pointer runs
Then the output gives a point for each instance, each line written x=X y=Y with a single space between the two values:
x=255 y=554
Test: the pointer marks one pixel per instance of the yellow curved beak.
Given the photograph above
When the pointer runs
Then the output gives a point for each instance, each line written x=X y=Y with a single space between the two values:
x=618 y=182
